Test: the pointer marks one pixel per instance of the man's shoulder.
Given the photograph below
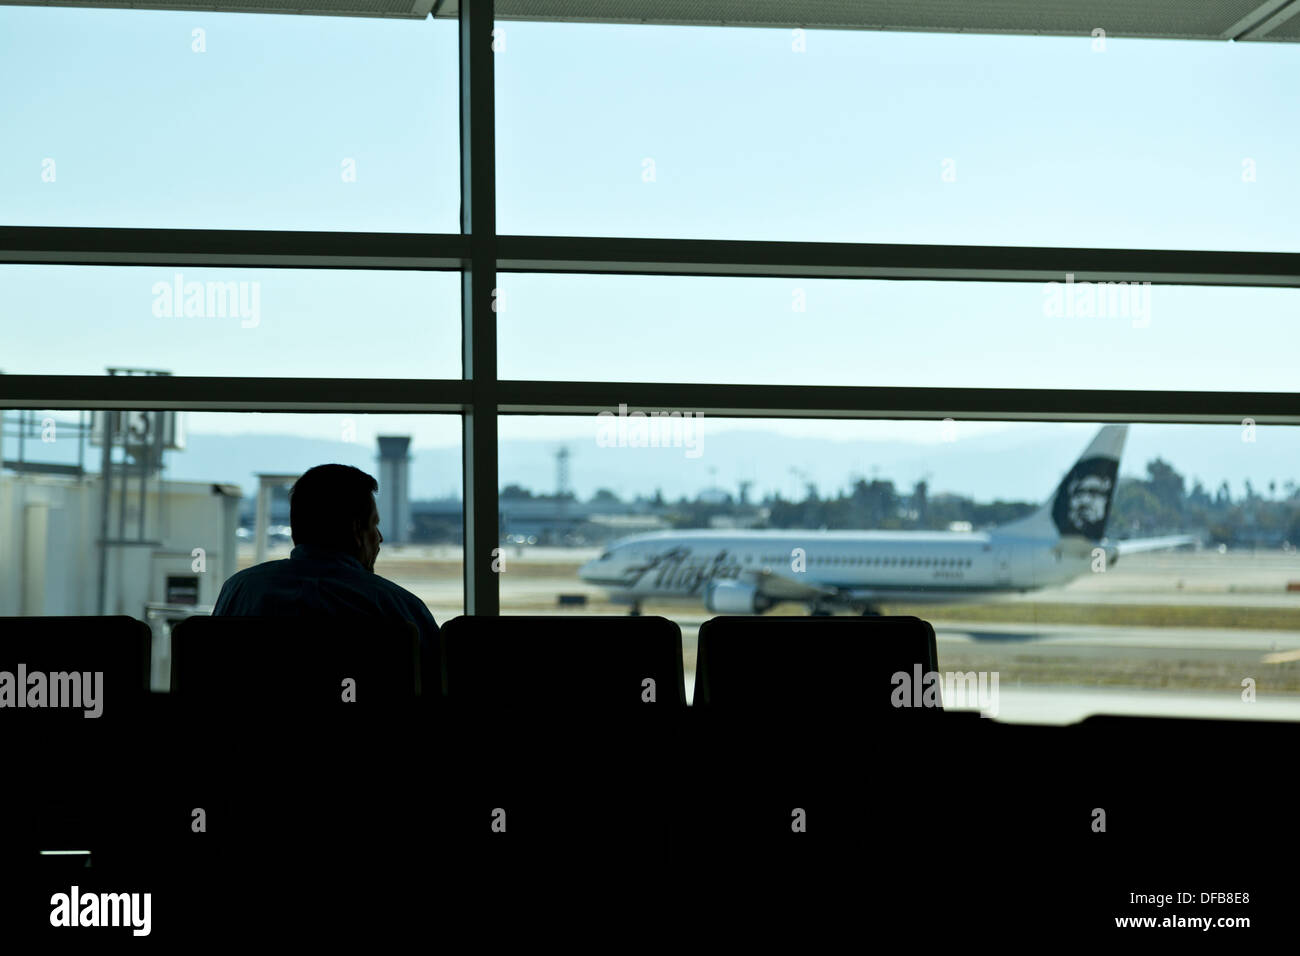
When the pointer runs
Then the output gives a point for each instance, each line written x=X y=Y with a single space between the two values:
x=255 y=577
x=392 y=587
x=397 y=592
x=260 y=570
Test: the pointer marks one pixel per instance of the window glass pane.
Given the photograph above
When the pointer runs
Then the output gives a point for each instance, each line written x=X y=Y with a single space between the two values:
x=1151 y=583
x=1063 y=334
x=862 y=136
x=196 y=515
x=203 y=120
x=311 y=323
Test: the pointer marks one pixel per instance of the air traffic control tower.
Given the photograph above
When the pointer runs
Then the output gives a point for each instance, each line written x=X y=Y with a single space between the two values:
x=394 y=499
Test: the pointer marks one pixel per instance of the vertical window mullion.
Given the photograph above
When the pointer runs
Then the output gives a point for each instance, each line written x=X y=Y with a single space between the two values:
x=478 y=319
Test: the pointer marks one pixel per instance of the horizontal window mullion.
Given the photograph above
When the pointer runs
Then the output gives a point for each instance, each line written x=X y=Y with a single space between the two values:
x=844 y=260
x=196 y=393
x=578 y=398
x=969 y=404
x=218 y=248
x=581 y=254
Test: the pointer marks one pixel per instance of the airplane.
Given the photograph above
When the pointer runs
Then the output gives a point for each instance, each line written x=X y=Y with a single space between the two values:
x=748 y=572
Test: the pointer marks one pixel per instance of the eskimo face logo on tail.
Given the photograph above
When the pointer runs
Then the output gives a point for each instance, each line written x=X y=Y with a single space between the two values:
x=1083 y=501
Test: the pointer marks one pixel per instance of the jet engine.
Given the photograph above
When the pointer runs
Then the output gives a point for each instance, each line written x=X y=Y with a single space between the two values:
x=733 y=597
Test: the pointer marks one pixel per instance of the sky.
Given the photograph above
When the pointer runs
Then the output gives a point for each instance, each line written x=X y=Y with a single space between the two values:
x=204 y=120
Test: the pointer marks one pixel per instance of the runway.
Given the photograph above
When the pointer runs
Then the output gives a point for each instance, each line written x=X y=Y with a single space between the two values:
x=1068 y=705
x=1093 y=638
x=1099 y=639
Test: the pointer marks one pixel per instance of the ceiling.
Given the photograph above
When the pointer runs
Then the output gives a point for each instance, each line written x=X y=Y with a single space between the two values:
x=1258 y=20
x=1174 y=19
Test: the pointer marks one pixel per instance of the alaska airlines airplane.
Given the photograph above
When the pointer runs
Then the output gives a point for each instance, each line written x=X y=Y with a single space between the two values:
x=747 y=572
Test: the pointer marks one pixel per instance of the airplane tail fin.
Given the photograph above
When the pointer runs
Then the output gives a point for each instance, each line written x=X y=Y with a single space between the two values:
x=1080 y=506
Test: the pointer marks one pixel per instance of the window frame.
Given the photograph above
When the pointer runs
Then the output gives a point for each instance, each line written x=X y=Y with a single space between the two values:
x=478 y=253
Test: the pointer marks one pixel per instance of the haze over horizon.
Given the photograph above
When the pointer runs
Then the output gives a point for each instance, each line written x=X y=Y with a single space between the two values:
x=1023 y=461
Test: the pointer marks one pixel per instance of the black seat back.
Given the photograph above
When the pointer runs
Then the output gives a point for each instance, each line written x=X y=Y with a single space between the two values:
x=288 y=664
x=564 y=665
x=69 y=661
x=816 y=665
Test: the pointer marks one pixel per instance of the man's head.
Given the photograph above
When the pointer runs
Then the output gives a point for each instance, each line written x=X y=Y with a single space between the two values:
x=333 y=506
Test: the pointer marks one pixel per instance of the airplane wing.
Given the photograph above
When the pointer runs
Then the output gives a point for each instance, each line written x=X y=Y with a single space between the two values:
x=787 y=587
x=1138 y=545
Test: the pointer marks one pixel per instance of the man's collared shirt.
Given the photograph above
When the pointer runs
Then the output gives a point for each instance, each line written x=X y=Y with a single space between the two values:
x=315 y=581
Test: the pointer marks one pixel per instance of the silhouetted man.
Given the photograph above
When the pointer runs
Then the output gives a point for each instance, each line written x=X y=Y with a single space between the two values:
x=330 y=571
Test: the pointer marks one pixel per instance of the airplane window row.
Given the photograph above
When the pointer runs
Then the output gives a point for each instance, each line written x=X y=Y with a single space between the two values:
x=898 y=562
x=888 y=562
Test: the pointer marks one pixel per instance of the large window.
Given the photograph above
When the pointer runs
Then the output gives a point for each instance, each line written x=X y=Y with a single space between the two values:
x=246 y=323
x=203 y=120
x=1058 y=333
x=327 y=231
x=913 y=518
x=861 y=136
x=194 y=497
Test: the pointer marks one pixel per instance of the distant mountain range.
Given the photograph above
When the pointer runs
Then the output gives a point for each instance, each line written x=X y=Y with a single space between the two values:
x=1023 y=465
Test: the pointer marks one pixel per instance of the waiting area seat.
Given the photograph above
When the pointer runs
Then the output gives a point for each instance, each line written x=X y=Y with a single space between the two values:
x=797 y=723
x=288 y=663
x=43 y=654
x=811 y=665
x=71 y=690
x=581 y=665
x=814 y=694
x=308 y=734
x=562 y=730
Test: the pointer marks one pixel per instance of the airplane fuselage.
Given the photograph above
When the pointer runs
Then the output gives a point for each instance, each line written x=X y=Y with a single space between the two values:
x=863 y=565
